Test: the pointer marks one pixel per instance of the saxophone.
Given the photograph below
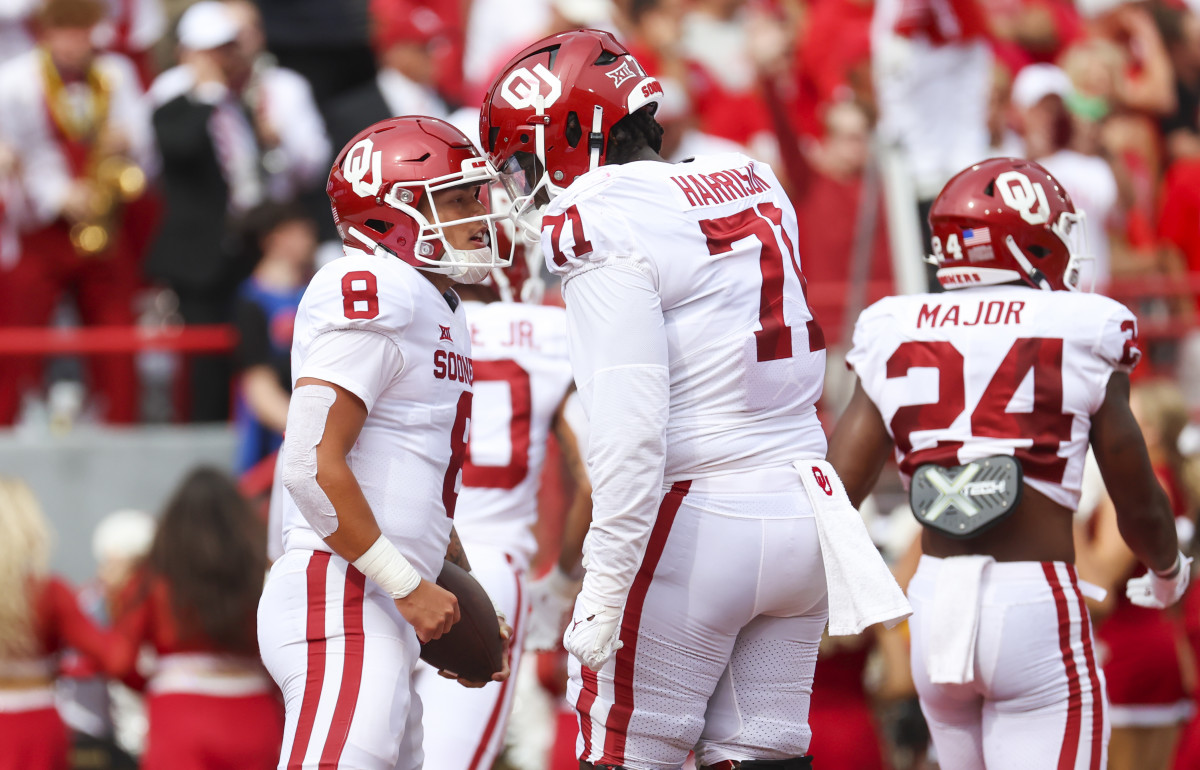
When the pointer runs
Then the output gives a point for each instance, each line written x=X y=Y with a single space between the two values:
x=115 y=180
x=112 y=178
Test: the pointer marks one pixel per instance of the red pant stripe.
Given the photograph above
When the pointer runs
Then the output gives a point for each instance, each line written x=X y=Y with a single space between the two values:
x=315 y=630
x=1093 y=676
x=617 y=722
x=494 y=719
x=352 y=668
x=1070 y=745
x=587 y=699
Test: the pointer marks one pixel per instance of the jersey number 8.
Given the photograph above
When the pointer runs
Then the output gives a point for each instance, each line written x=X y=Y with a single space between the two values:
x=360 y=295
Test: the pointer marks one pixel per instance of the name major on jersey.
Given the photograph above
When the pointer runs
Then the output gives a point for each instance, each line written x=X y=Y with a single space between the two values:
x=988 y=314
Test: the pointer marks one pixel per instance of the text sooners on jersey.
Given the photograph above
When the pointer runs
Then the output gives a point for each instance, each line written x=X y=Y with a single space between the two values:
x=522 y=374
x=409 y=454
x=997 y=370
x=716 y=235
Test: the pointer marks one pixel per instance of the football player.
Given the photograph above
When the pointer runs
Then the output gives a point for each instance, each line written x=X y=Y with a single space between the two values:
x=699 y=363
x=376 y=437
x=990 y=394
x=522 y=386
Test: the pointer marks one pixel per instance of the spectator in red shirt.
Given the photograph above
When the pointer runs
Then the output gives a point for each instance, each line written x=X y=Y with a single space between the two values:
x=829 y=196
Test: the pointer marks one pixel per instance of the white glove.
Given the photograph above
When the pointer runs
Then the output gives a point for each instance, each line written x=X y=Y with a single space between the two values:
x=1159 y=591
x=551 y=598
x=592 y=634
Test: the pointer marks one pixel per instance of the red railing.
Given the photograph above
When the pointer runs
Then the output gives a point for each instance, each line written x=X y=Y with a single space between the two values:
x=96 y=340
x=214 y=339
x=1165 y=322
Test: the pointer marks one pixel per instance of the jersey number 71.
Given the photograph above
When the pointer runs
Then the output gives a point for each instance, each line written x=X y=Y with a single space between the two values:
x=774 y=339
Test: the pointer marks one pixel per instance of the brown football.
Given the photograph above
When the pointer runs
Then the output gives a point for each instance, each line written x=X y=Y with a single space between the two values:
x=472 y=648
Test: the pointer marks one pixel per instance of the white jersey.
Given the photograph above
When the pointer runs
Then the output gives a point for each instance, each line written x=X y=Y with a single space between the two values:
x=994 y=370
x=522 y=374
x=716 y=237
x=409 y=454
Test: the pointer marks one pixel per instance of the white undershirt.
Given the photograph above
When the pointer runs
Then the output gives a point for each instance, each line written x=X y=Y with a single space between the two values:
x=618 y=349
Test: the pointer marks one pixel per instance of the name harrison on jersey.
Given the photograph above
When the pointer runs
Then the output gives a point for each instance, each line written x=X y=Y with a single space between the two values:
x=720 y=186
x=454 y=367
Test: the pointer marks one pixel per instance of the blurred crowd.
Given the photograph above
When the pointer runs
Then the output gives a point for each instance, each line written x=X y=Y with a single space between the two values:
x=163 y=162
x=149 y=149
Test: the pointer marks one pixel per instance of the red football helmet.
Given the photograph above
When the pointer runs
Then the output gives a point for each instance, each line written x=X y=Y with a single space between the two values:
x=546 y=118
x=1007 y=219
x=378 y=182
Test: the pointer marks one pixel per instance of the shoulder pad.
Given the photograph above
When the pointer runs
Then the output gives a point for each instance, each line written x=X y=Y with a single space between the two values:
x=361 y=292
x=582 y=231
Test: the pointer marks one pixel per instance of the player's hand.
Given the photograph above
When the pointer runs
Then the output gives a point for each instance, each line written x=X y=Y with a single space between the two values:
x=1159 y=591
x=430 y=609
x=592 y=634
x=499 y=676
x=551 y=599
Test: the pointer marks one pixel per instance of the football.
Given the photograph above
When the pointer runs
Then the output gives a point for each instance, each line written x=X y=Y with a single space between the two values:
x=472 y=648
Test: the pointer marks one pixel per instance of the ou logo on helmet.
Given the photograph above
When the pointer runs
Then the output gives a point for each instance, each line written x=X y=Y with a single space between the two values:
x=523 y=88
x=363 y=160
x=1028 y=198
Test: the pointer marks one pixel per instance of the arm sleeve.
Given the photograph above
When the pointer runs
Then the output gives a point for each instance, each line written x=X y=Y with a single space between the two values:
x=301 y=131
x=73 y=628
x=363 y=362
x=132 y=626
x=43 y=173
x=618 y=348
x=131 y=113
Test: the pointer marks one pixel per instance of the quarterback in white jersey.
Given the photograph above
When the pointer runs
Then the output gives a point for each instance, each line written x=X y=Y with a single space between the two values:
x=990 y=394
x=699 y=364
x=376 y=436
x=522 y=379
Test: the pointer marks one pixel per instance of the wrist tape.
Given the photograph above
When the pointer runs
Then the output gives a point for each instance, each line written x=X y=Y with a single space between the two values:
x=1174 y=570
x=388 y=567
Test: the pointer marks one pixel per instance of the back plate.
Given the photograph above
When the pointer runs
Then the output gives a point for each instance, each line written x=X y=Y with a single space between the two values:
x=964 y=500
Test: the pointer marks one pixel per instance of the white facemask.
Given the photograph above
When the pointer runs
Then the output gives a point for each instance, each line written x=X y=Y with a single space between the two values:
x=471 y=265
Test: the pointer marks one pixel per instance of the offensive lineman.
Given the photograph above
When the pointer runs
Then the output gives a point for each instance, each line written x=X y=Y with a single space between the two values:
x=699 y=364
x=1013 y=365
x=376 y=436
x=522 y=383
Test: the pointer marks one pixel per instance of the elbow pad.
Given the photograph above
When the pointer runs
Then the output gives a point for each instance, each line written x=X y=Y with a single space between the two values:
x=307 y=413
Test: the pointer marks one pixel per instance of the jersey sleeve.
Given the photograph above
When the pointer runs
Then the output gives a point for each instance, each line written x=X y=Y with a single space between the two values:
x=359 y=293
x=362 y=361
x=589 y=230
x=872 y=327
x=1117 y=340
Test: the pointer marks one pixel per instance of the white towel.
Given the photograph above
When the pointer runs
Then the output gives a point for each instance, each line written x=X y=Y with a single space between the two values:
x=954 y=624
x=862 y=590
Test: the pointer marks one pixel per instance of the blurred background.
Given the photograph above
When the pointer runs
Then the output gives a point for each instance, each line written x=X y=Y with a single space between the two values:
x=162 y=207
